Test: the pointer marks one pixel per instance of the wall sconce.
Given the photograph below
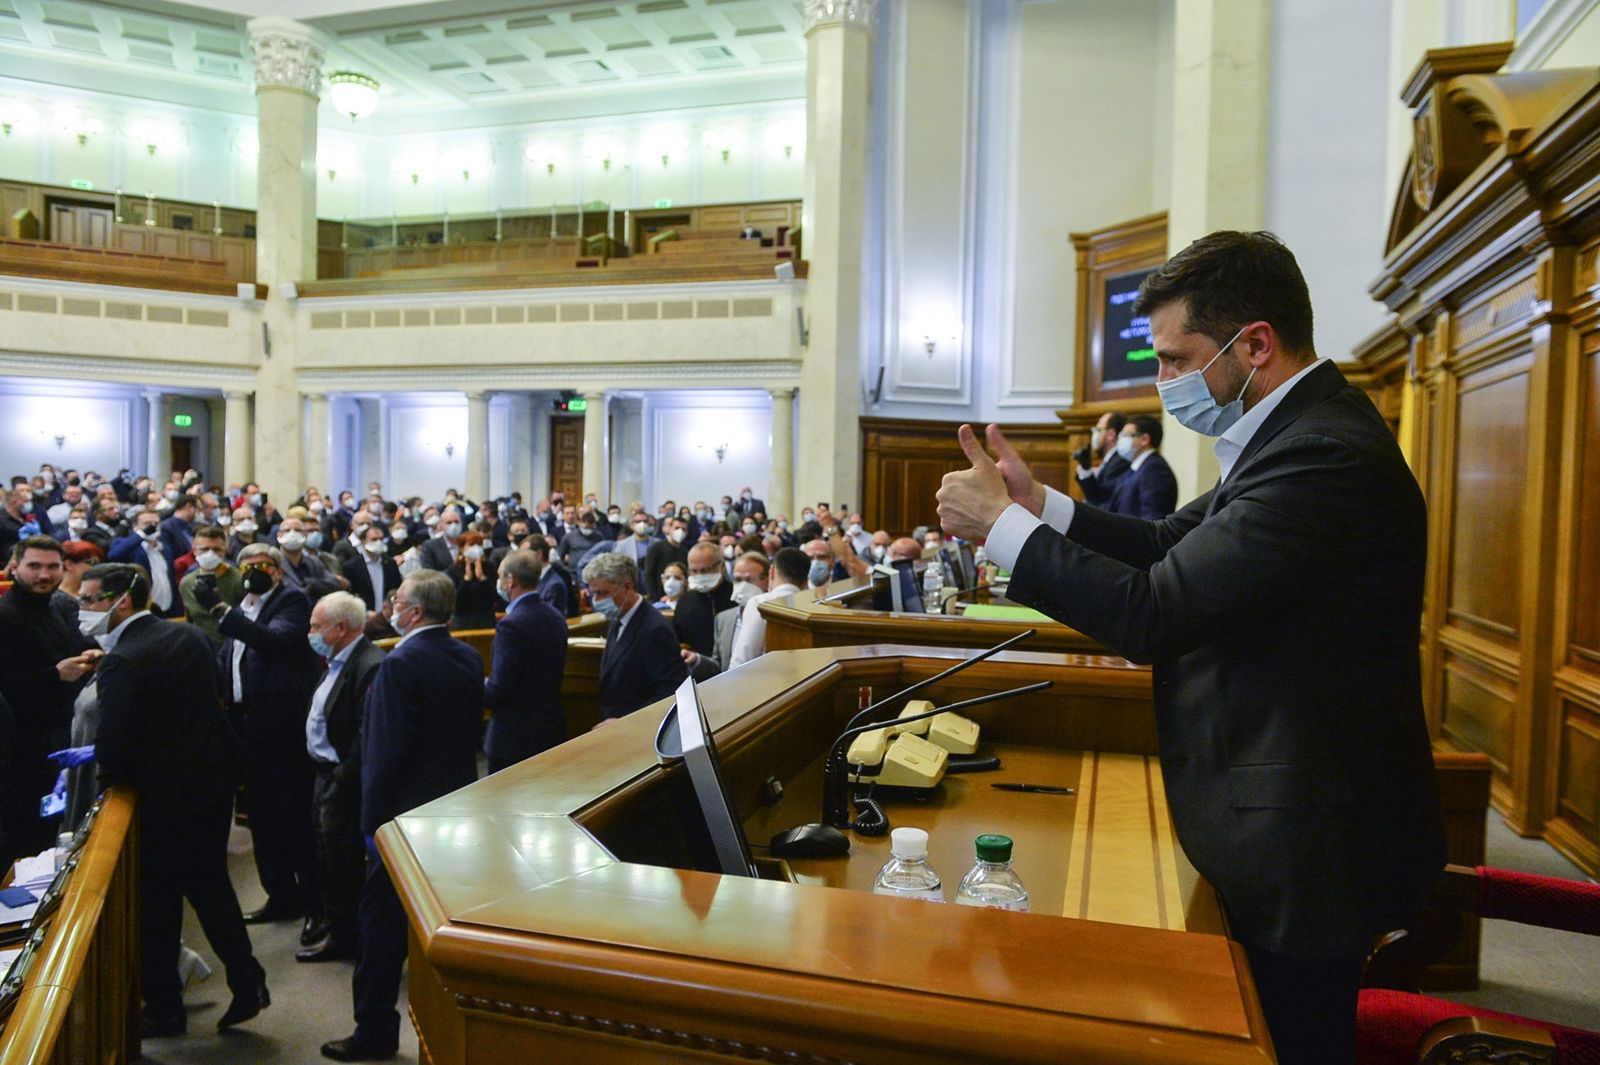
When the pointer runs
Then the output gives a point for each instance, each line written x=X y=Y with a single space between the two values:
x=449 y=450
x=155 y=136
x=600 y=150
x=61 y=440
x=545 y=153
x=722 y=452
x=5 y=127
x=80 y=125
x=928 y=343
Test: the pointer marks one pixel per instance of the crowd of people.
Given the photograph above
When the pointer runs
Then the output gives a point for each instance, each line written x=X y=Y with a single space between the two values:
x=276 y=684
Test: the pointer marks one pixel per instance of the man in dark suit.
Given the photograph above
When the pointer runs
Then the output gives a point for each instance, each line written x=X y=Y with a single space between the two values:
x=177 y=532
x=748 y=504
x=641 y=662
x=708 y=594
x=1280 y=610
x=440 y=552
x=163 y=732
x=1148 y=489
x=143 y=547
x=373 y=573
x=661 y=554
x=419 y=740
x=268 y=672
x=523 y=691
x=333 y=729
x=1098 y=482
x=41 y=671
x=555 y=583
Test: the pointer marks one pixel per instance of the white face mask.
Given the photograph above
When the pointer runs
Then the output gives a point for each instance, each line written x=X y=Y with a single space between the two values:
x=452 y=529
x=854 y=528
x=744 y=591
x=373 y=548
x=292 y=541
x=400 y=535
x=748 y=527
x=727 y=552
x=678 y=535
x=246 y=526
x=704 y=582
x=641 y=528
x=224 y=519
x=473 y=553
x=207 y=560
x=93 y=625
x=1125 y=447
x=673 y=585
x=316 y=506
x=77 y=524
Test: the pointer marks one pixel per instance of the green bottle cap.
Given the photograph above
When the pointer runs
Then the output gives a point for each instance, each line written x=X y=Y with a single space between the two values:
x=994 y=848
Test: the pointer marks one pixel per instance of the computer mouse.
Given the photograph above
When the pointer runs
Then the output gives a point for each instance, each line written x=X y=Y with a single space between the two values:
x=810 y=841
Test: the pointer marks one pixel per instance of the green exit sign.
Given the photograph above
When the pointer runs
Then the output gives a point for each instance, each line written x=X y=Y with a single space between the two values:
x=663 y=203
x=579 y=404
x=82 y=183
x=183 y=421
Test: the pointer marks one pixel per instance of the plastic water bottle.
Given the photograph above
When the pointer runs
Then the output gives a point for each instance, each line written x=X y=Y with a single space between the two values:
x=980 y=562
x=990 y=882
x=932 y=586
x=908 y=873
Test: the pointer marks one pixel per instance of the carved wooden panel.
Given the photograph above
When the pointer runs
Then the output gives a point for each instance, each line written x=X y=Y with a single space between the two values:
x=1583 y=650
x=1477 y=710
x=1488 y=481
x=1578 y=782
x=566 y=456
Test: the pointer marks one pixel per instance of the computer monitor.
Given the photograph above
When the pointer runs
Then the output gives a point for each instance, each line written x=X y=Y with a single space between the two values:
x=685 y=733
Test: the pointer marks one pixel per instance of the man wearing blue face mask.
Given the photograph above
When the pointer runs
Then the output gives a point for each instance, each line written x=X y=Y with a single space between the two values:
x=1280 y=610
x=1146 y=488
x=641 y=662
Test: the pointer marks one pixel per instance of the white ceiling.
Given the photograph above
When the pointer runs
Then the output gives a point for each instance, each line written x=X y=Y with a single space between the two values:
x=441 y=65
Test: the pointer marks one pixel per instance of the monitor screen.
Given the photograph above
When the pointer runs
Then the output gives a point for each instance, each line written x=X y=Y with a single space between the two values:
x=699 y=753
x=1127 y=353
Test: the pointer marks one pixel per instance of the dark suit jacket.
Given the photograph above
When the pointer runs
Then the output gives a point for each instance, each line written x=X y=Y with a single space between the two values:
x=746 y=508
x=640 y=666
x=347 y=699
x=523 y=691
x=177 y=539
x=1281 y=611
x=435 y=554
x=355 y=571
x=162 y=726
x=694 y=616
x=130 y=548
x=553 y=589
x=1098 y=488
x=279 y=669
x=1150 y=492
x=419 y=735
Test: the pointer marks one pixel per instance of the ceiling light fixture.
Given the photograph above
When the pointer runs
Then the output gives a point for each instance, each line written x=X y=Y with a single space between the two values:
x=354 y=94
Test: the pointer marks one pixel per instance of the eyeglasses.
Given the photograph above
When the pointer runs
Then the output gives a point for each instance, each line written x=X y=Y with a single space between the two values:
x=247 y=567
x=87 y=600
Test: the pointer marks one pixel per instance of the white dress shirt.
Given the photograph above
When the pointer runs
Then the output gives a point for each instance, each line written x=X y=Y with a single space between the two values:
x=751 y=641
x=317 y=743
x=109 y=640
x=1017 y=523
x=375 y=574
x=160 y=580
x=251 y=608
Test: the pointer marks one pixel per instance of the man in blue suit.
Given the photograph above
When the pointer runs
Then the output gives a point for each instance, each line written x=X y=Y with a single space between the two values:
x=419 y=740
x=553 y=585
x=177 y=532
x=143 y=547
x=641 y=662
x=523 y=691
x=1148 y=489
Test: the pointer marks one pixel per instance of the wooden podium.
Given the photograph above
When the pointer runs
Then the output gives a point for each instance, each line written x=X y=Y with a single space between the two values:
x=556 y=915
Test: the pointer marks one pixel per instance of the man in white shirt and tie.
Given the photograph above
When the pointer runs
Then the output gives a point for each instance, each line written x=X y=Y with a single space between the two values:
x=790 y=567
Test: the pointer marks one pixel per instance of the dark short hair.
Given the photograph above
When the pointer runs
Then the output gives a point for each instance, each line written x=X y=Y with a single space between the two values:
x=1148 y=425
x=118 y=577
x=792 y=564
x=1115 y=420
x=36 y=543
x=211 y=532
x=1229 y=279
x=187 y=499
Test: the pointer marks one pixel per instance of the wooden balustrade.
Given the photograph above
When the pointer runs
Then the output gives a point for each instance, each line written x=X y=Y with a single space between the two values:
x=111 y=266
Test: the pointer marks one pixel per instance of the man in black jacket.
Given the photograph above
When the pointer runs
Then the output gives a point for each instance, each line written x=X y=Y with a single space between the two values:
x=641 y=662
x=163 y=732
x=523 y=691
x=333 y=729
x=694 y=615
x=268 y=672
x=419 y=741
x=1280 y=610
x=1097 y=482
x=41 y=670
x=372 y=572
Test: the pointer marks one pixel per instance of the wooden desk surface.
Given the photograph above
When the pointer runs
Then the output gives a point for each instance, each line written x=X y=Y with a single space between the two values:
x=531 y=936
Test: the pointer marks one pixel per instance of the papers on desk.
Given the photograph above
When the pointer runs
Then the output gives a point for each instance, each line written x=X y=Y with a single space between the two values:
x=33 y=874
x=7 y=956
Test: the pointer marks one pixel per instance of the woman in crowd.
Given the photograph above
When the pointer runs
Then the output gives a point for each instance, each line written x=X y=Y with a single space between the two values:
x=673 y=577
x=474 y=573
x=78 y=556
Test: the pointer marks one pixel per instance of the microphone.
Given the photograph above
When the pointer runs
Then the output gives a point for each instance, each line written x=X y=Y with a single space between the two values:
x=824 y=839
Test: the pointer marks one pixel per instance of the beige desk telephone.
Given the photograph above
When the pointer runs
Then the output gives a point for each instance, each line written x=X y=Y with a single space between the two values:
x=914 y=755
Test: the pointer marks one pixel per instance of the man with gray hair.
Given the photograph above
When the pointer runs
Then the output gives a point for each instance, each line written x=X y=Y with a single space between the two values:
x=641 y=663
x=419 y=740
x=523 y=691
x=333 y=729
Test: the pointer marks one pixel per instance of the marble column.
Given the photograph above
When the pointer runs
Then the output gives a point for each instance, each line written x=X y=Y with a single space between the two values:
x=596 y=460
x=838 y=128
x=780 y=483
x=370 y=454
x=1219 y=130
x=158 y=449
x=318 y=470
x=477 y=446
x=520 y=435
x=239 y=434
x=288 y=67
x=215 y=457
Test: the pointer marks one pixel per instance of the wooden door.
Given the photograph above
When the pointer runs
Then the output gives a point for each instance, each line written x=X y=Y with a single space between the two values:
x=183 y=452
x=79 y=223
x=566 y=457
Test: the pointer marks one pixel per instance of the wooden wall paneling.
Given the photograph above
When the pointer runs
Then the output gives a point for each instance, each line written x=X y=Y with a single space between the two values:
x=566 y=455
x=1580 y=553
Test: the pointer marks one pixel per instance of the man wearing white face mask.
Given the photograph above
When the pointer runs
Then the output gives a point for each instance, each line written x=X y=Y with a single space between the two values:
x=641 y=663
x=708 y=594
x=245 y=530
x=211 y=567
x=441 y=551
x=143 y=547
x=1146 y=488
x=662 y=553
x=372 y=572
x=1281 y=612
x=304 y=568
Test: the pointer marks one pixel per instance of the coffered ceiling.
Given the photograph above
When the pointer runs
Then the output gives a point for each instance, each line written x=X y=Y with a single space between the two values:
x=459 y=63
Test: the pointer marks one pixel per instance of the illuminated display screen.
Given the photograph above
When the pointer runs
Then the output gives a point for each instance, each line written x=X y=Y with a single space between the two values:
x=1128 y=355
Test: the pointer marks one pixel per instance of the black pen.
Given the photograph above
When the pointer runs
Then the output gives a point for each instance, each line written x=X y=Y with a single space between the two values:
x=1041 y=789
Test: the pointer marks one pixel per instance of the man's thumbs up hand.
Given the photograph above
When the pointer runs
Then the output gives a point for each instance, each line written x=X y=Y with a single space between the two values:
x=970 y=501
x=1019 y=479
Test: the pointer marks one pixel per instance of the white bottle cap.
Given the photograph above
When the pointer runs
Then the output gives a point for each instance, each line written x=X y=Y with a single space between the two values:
x=909 y=843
